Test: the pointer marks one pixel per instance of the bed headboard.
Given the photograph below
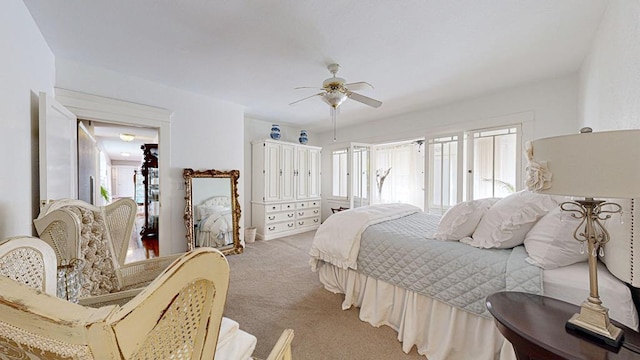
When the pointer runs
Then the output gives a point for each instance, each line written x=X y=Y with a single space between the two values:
x=622 y=254
x=224 y=201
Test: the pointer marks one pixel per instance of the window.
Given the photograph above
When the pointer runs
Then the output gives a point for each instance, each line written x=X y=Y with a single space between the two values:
x=340 y=174
x=495 y=161
x=381 y=173
x=489 y=157
x=443 y=173
x=360 y=169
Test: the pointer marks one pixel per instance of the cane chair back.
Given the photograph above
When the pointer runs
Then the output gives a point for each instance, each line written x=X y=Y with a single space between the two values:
x=30 y=261
x=177 y=316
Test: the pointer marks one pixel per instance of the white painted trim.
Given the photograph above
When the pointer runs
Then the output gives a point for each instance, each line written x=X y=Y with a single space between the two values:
x=98 y=108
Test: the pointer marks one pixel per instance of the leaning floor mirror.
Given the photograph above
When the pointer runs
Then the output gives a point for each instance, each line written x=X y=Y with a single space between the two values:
x=212 y=210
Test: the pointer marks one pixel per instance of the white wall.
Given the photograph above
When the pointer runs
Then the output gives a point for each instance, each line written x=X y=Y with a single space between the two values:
x=552 y=106
x=206 y=133
x=610 y=76
x=27 y=66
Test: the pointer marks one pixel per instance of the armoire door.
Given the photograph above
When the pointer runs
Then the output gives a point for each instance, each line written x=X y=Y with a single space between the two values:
x=301 y=173
x=286 y=172
x=272 y=172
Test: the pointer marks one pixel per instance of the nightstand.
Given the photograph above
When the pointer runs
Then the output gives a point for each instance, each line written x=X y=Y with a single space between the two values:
x=535 y=326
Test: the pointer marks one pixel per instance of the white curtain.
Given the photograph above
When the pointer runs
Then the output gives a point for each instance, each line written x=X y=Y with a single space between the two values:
x=403 y=165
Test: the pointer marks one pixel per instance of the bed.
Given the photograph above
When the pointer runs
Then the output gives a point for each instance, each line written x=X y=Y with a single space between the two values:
x=213 y=222
x=375 y=257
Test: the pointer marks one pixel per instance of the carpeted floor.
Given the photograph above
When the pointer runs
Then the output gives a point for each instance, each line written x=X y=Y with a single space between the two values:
x=272 y=288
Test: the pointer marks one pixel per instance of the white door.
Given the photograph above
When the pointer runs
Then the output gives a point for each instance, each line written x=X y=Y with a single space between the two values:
x=360 y=185
x=300 y=173
x=58 y=151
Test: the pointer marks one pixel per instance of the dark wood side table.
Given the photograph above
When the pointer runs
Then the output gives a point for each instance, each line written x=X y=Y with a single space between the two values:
x=535 y=327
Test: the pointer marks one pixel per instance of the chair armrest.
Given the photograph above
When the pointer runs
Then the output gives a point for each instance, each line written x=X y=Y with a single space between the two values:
x=282 y=349
x=41 y=314
x=140 y=273
x=116 y=298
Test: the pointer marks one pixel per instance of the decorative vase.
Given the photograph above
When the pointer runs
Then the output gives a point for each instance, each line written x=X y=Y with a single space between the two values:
x=275 y=132
x=303 y=137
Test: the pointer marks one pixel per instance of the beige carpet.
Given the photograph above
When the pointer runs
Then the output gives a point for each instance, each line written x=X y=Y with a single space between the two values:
x=272 y=288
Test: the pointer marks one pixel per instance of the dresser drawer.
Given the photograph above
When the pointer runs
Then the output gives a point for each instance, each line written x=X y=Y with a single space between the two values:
x=304 y=213
x=279 y=217
x=272 y=208
x=288 y=206
x=307 y=204
x=274 y=228
x=300 y=223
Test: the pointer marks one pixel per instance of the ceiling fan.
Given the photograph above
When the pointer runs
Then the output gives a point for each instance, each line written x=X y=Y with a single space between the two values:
x=335 y=91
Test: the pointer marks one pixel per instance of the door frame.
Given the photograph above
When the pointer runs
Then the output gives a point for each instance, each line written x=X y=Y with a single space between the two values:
x=98 y=108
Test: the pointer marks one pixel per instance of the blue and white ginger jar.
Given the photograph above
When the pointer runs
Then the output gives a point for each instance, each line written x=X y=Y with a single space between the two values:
x=275 y=132
x=303 y=137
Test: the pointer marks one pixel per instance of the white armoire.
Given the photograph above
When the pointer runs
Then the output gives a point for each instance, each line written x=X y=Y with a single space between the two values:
x=285 y=188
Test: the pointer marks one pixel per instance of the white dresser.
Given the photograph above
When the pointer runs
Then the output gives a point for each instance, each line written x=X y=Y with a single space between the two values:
x=285 y=188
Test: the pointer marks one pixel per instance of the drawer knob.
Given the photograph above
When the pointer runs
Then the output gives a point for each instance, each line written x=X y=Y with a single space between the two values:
x=271 y=228
x=290 y=225
x=315 y=220
x=272 y=217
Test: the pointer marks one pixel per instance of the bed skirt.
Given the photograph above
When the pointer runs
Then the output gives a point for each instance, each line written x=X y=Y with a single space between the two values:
x=438 y=330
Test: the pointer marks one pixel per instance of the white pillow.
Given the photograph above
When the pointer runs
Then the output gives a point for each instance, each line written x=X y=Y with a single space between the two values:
x=550 y=243
x=507 y=222
x=461 y=220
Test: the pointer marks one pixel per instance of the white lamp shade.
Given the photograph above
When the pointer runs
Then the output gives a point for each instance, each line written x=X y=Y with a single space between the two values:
x=596 y=165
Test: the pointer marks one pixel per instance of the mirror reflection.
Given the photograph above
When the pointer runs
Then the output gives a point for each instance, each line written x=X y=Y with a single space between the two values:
x=212 y=210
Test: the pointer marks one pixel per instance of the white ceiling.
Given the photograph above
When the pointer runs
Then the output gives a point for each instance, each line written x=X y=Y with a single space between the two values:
x=417 y=53
x=108 y=138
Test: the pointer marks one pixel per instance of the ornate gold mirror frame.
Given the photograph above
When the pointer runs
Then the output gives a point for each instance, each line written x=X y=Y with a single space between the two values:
x=211 y=204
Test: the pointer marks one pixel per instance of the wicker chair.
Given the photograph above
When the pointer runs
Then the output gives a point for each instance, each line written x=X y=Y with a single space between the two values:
x=28 y=260
x=177 y=316
x=99 y=236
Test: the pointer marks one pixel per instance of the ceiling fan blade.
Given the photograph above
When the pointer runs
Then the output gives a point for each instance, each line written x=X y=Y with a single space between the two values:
x=307 y=87
x=308 y=97
x=358 y=85
x=364 y=99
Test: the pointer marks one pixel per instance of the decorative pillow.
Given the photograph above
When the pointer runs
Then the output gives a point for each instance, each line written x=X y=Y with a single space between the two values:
x=550 y=243
x=461 y=220
x=507 y=222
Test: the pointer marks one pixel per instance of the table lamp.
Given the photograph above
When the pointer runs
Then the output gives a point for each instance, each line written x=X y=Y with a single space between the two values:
x=590 y=165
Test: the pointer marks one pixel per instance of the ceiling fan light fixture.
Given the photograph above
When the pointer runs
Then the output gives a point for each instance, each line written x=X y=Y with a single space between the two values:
x=127 y=137
x=334 y=98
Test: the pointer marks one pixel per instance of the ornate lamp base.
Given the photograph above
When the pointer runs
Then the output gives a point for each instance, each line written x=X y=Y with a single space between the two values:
x=593 y=320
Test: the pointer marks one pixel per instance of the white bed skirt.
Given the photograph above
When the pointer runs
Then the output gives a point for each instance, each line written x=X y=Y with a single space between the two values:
x=439 y=331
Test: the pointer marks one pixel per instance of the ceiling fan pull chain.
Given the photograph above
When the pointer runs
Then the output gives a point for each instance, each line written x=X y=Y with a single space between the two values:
x=334 y=115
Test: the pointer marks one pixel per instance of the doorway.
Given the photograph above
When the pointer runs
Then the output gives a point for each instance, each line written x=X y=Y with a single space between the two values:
x=123 y=113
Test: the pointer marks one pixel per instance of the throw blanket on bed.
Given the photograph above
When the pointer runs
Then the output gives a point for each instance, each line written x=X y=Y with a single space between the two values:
x=337 y=240
x=398 y=252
